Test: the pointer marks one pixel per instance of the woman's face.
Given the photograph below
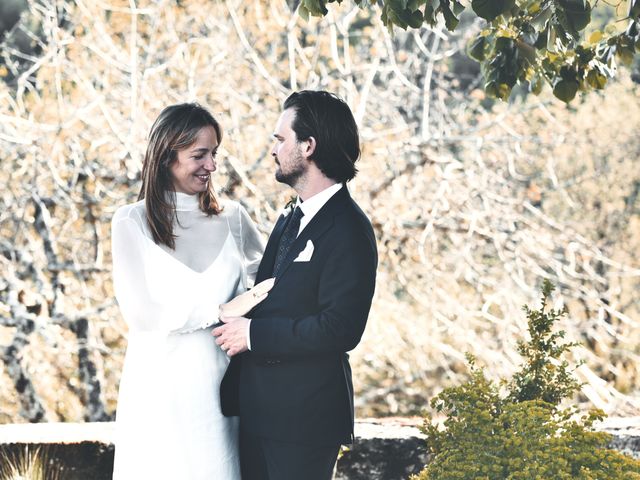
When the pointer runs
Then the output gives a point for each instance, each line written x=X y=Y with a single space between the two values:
x=193 y=166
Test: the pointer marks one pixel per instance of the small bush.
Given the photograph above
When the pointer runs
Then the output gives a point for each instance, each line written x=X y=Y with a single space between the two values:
x=522 y=434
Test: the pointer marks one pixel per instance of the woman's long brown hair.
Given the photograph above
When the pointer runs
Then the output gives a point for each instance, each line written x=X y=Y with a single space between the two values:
x=175 y=129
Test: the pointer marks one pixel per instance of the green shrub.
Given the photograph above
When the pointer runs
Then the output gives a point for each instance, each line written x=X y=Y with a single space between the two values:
x=523 y=433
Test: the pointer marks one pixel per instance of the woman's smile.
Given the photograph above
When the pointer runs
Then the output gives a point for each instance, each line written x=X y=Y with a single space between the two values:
x=193 y=166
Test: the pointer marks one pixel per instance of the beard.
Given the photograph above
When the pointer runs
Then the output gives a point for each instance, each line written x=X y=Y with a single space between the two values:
x=295 y=171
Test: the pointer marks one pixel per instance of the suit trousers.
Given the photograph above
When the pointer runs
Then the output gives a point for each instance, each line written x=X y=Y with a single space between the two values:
x=268 y=459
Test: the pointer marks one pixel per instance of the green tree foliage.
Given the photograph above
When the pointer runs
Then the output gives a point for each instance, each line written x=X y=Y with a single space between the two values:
x=543 y=376
x=529 y=42
x=524 y=434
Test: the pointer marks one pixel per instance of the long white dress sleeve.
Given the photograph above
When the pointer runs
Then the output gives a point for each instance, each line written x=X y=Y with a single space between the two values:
x=168 y=422
x=251 y=244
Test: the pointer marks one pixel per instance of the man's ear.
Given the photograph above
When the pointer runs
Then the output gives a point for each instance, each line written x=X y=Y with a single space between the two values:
x=309 y=147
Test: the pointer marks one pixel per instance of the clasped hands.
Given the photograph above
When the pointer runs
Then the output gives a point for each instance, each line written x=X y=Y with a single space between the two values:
x=232 y=336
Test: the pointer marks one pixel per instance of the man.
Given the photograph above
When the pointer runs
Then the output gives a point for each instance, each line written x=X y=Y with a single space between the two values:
x=291 y=384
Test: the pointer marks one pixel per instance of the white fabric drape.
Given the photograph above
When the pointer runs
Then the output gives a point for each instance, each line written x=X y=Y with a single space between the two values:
x=169 y=423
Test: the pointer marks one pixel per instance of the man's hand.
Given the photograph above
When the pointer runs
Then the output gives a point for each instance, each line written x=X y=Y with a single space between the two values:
x=232 y=336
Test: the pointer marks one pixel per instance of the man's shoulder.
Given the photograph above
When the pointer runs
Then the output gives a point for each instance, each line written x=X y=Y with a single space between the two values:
x=352 y=214
x=353 y=228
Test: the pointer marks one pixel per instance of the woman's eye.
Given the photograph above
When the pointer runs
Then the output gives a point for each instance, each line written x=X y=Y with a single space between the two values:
x=203 y=155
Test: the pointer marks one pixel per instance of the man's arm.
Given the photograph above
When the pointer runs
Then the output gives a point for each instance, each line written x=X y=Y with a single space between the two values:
x=230 y=337
x=346 y=288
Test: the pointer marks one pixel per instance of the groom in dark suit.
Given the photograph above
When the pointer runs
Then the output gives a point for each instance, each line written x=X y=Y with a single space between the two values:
x=289 y=378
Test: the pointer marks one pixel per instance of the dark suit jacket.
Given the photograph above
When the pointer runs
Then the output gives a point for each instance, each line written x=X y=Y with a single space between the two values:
x=295 y=383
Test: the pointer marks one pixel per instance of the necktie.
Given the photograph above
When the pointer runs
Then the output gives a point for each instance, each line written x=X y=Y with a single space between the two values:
x=288 y=237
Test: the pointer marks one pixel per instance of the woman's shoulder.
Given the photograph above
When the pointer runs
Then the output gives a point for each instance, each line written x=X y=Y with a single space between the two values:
x=235 y=214
x=134 y=211
x=230 y=208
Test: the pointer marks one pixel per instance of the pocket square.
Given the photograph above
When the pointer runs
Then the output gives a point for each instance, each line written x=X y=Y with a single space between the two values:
x=305 y=255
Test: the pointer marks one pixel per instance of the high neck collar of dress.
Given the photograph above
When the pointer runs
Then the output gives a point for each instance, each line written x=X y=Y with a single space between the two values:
x=185 y=202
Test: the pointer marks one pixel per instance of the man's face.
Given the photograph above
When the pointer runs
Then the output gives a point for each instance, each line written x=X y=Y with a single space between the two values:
x=291 y=165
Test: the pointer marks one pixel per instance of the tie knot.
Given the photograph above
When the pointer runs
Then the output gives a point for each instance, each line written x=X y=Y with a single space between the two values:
x=297 y=213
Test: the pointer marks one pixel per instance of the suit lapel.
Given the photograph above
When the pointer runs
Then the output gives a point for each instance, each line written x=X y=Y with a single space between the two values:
x=320 y=223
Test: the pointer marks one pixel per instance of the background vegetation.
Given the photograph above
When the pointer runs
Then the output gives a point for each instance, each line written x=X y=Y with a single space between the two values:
x=527 y=42
x=473 y=200
x=523 y=431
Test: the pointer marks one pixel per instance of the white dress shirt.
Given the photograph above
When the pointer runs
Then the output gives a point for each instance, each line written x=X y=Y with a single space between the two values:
x=310 y=207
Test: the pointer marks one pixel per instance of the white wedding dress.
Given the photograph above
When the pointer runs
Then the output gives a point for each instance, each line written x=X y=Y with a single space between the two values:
x=168 y=421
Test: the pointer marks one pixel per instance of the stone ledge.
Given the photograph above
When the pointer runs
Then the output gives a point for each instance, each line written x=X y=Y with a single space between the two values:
x=394 y=448
x=385 y=449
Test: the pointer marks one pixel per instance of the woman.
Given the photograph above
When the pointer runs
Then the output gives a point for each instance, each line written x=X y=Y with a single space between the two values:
x=178 y=257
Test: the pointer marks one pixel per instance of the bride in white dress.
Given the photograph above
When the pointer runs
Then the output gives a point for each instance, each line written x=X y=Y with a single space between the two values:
x=178 y=257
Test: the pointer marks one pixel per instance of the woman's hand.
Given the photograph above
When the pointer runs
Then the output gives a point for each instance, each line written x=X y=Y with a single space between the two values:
x=243 y=303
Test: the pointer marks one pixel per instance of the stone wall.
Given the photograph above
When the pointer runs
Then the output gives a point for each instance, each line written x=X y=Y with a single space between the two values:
x=385 y=449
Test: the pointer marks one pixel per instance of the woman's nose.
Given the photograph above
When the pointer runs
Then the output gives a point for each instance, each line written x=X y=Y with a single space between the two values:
x=210 y=164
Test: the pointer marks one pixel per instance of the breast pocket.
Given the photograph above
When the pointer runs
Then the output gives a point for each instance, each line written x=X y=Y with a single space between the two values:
x=306 y=254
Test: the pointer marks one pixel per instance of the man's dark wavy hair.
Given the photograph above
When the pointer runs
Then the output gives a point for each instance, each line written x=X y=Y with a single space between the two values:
x=328 y=119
